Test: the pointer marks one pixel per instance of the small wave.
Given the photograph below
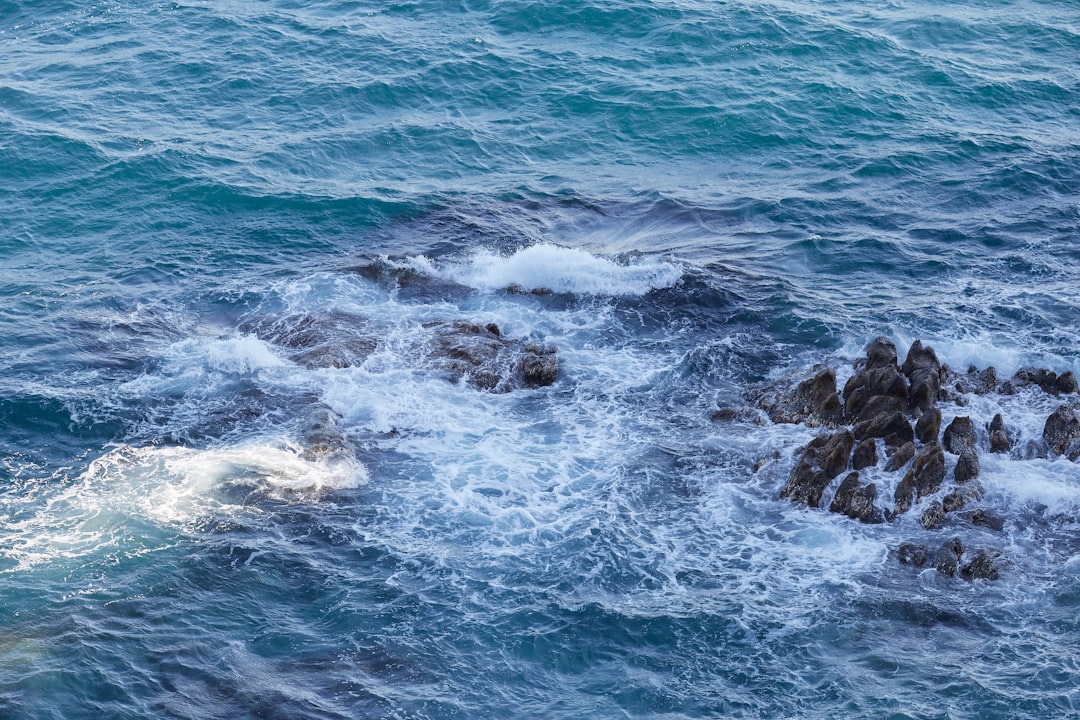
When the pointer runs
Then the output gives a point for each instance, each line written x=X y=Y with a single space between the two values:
x=554 y=268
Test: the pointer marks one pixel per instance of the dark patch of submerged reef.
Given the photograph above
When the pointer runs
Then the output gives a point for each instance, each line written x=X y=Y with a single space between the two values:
x=887 y=417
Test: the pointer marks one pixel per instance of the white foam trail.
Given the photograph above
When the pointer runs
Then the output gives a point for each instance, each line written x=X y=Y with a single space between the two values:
x=206 y=361
x=171 y=488
x=551 y=267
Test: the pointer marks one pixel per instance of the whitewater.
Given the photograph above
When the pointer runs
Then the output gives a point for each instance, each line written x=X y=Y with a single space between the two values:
x=408 y=360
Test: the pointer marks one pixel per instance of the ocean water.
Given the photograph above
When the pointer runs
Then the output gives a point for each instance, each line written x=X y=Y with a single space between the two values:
x=237 y=482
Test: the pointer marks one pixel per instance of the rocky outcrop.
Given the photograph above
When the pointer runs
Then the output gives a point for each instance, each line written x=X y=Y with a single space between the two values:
x=952 y=559
x=482 y=357
x=885 y=404
x=331 y=340
x=813 y=401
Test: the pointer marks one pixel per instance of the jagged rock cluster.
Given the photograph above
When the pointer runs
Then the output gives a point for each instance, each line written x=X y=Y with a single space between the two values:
x=892 y=406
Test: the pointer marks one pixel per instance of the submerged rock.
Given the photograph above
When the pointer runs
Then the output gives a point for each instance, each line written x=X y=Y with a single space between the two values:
x=981 y=567
x=332 y=340
x=986 y=519
x=913 y=554
x=322 y=434
x=947 y=558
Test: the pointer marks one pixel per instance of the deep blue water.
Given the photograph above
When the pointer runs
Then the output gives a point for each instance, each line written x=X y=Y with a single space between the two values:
x=199 y=518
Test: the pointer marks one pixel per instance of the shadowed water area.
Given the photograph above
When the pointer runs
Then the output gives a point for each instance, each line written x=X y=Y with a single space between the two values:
x=406 y=360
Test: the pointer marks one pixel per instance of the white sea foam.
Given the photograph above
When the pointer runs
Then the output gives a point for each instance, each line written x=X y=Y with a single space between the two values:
x=171 y=489
x=552 y=267
x=206 y=361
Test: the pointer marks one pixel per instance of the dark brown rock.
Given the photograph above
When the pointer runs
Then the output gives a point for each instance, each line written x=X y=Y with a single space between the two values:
x=947 y=558
x=865 y=455
x=900 y=457
x=822 y=460
x=959 y=436
x=913 y=554
x=870 y=383
x=894 y=426
x=967 y=467
x=928 y=469
x=928 y=426
x=1062 y=428
x=986 y=519
x=876 y=405
x=923 y=371
x=539 y=365
x=1066 y=382
x=856 y=502
x=813 y=401
x=920 y=357
x=880 y=353
x=981 y=567
x=904 y=495
x=933 y=517
x=1000 y=439
x=1047 y=380
x=923 y=478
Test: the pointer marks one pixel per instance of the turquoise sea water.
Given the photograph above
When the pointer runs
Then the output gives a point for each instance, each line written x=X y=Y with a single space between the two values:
x=199 y=518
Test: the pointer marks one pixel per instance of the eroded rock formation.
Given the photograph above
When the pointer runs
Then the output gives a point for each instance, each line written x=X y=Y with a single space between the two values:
x=893 y=407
